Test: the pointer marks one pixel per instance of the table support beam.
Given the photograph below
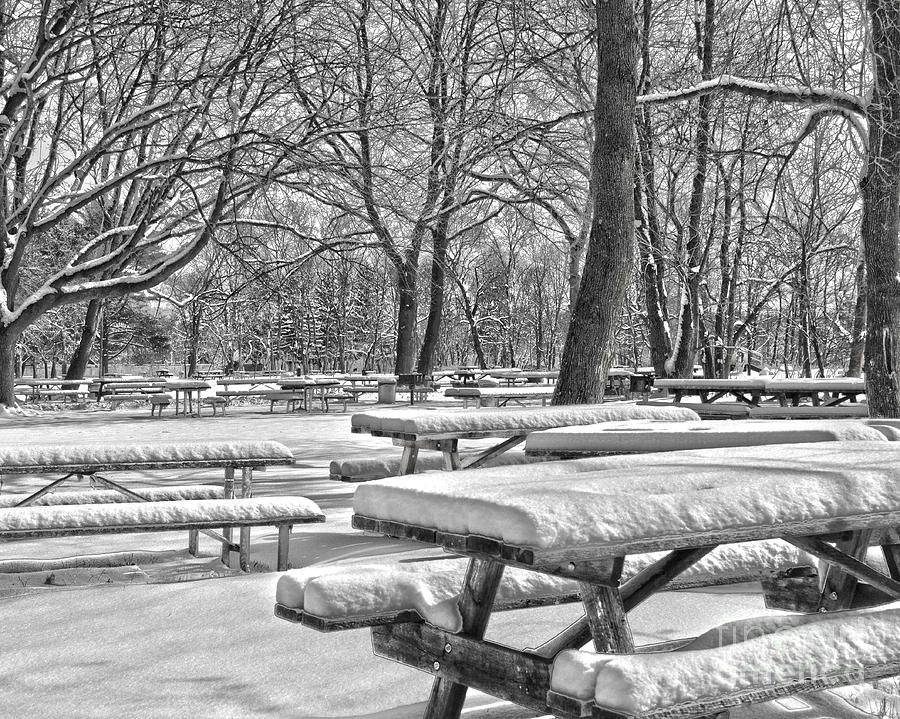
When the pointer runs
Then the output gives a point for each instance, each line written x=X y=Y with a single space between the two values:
x=479 y=589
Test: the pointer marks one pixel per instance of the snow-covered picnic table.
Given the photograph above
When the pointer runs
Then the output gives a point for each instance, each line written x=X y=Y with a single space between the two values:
x=441 y=430
x=827 y=392
x=131 y=509
x=655 y=436
x=832 y=500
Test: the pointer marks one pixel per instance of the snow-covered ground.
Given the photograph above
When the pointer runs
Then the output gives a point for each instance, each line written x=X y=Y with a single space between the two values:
x=170 y=636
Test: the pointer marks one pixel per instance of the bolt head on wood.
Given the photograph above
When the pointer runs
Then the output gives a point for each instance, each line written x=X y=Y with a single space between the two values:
x=437 y=666
x=448 y=647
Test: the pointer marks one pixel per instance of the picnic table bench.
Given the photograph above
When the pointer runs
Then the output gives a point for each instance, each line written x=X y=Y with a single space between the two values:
x=42 y=514
x=500 y=396
x=832 y=500
x=441 y=430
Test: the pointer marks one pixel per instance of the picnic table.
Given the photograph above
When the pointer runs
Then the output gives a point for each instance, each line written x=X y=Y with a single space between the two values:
x=49 y=387
x=441 y=430
x=832 y=500
x=119 y=508
x=312 y=388
x=748 y=391
x=187 y=391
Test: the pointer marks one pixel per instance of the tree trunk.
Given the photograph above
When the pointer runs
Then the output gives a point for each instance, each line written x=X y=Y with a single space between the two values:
x=881 y=217
x=406 y=318
x=82 y=355
x=681 y=364
x=8 y=340
x=436 y=301
x=649 y=237
x=858 y=333
x=590 y=338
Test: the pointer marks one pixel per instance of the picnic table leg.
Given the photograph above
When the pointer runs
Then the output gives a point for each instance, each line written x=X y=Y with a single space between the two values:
x=450 y=452
x=226 y=532
x=284 y=546
x=408 y=460
x=246 y=492
x=480 y=587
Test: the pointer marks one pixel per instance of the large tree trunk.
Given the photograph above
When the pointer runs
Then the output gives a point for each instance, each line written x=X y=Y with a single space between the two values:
x=858 y=332
x=406 y=318
x=881 y=216
x=82 y=355
x=590 y=339
x=8 y=340
x=649 y=237
x=436 y=302
x=681 y=364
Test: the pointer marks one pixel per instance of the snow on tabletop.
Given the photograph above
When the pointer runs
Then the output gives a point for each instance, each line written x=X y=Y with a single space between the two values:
x=144 y=453
x=772 y=650
x=832 y=385
x=431 y=588
x=180 y=511
x=488 y=420
x=646 y=496
x=654 y=436
x=724 y=384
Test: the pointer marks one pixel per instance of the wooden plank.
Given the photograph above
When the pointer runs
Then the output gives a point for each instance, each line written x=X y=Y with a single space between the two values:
x=228 y=491
x=479 y=589
x=450 y=454
x=284 y=547
x=852 y=566
x=606 y=618
x=891 y=554
x=838 y=587
x=458 y=660
x=653 y=578
x=493 y=452
x=408 y=460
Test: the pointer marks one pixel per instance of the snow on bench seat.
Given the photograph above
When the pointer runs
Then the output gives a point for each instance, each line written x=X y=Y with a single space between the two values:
x=156 y=455
x=655 y=436
x=17 y=522
x=496 y=422
x=646 y=502
x=201 y=514
x=110 y=496
x=369 y=468
x=740 y=662
x=367 y=594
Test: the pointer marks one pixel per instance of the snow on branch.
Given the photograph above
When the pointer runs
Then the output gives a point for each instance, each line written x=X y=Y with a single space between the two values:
x=769 y=91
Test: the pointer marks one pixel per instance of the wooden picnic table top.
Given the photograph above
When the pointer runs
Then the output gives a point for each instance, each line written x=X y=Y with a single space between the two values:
x=642 y=503
x=182 y=385
x=49 y=382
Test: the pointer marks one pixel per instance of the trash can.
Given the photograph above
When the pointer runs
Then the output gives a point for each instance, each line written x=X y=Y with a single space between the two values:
x=387 y=391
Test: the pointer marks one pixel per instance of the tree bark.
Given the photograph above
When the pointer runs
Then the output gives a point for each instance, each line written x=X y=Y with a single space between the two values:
x=590 y=339
x=681 y=364
x=82 y=355
x=406 y=317
x=858 y=332
x=881 y=216
x=649 y=236
x=436 y=300
x=8 y=338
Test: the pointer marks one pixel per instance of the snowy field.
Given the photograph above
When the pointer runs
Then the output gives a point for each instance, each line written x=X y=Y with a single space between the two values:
x=167 y=635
